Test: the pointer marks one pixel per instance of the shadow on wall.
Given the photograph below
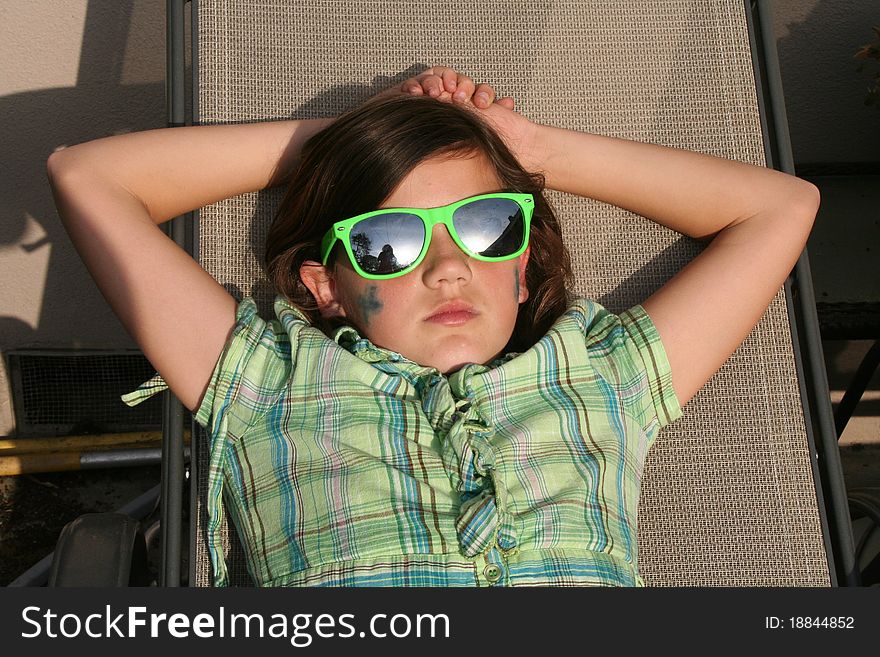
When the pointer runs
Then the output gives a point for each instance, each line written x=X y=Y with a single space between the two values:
x=824 y=91
x=34 y=509
x=36 y=123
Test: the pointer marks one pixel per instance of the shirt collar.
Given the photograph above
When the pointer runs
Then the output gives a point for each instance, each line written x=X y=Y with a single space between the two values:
x=349 y=339
x=392 y=362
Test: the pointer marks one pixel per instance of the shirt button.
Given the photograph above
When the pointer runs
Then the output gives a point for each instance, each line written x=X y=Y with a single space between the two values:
x=492 y=572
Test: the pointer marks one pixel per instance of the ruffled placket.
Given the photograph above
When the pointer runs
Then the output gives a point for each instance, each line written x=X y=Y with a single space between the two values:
x=464 y=431
x=468 y=456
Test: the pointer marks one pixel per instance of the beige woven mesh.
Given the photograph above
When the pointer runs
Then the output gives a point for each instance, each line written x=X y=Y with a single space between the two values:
x=728 y=495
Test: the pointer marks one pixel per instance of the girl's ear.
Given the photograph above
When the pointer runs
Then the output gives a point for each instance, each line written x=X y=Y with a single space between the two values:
x=322 y=285
x=523 y=288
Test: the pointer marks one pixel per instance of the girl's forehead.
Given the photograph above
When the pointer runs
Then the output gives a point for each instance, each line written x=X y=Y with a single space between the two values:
x=444 y=179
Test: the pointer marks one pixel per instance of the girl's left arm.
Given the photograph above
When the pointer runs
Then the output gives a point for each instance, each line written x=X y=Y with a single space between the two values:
x=757 y=221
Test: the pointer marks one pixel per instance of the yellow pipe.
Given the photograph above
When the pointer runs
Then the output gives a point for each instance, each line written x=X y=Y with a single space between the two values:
x=33 y=463
x=17 y=446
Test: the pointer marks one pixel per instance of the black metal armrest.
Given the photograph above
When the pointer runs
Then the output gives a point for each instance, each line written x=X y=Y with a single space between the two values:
x=100 y=549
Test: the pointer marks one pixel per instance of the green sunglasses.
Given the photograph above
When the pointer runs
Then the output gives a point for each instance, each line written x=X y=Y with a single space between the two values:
x=392 y=242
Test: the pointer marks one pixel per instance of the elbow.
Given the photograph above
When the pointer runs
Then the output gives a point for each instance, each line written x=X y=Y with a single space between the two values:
x=803 y=207
x=67 y=162
x=52 y=166
x=68 y=172
x=64 y=170
x=807 y=200
x=58 y=165
x=799 y=206
x=55 y=162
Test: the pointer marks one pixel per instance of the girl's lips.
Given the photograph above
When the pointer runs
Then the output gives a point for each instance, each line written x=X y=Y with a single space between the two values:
x=452 y=313
x=456 y=318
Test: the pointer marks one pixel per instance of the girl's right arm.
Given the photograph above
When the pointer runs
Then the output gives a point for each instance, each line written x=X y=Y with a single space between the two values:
x=111 y=195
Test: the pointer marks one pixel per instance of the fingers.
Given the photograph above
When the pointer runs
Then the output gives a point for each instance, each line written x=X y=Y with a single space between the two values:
x=443 y=78
x=446 y=84
x=464 y=89
x=428 y=83
x=442 y=83
x=411 y=86
x=449 y=78
x=433 y=85
x=484 y=96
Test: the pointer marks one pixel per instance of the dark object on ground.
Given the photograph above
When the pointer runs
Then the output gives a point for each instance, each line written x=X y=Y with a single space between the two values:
x=100 y=549
x=35 y=508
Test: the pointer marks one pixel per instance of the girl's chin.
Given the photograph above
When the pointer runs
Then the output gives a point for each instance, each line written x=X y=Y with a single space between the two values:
x=452 y=360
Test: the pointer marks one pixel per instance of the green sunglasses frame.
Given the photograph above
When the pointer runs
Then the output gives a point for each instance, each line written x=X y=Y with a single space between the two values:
x=430 y=217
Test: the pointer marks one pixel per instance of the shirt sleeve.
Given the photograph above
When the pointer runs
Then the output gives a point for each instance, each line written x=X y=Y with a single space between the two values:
x=646 y=343
x=247 y=381
x=249 y=375
x=627 y=351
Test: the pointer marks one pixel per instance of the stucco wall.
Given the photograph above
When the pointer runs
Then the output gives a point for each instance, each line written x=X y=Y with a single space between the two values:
x=81 y=69
x=69 y=72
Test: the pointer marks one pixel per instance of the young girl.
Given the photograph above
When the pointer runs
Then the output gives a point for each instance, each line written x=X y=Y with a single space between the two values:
x=429 y=408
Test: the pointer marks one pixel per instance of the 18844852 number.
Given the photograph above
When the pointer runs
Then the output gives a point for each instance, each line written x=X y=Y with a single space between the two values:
x=809 y=622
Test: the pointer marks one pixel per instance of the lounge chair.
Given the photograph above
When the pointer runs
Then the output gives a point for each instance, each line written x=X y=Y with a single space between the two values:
x=746 y=489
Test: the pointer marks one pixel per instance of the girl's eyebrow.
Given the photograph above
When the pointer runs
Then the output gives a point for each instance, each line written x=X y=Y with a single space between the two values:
x=504 y=190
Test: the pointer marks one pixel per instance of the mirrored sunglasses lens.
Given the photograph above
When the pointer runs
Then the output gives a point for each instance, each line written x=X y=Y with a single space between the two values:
x=492 y=227
x=388 y=243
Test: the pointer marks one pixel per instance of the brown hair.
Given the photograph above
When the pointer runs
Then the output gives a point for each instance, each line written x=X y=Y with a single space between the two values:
x=354 y=164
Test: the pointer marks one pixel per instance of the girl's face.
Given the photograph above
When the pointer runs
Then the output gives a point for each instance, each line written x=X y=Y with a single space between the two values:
x=452 y=309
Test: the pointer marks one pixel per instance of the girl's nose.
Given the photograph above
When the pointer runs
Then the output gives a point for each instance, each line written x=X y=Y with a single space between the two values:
x=445 y=262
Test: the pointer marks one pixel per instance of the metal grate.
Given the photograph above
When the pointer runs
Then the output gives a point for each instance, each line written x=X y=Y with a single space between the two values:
x=57 y=393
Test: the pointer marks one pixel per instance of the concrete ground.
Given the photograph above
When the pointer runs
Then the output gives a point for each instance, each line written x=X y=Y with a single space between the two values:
x=860 y=442
x=35 y=507
x=843 y=250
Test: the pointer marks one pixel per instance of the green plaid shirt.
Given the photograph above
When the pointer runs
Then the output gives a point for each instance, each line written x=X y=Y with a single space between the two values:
x=344 y=464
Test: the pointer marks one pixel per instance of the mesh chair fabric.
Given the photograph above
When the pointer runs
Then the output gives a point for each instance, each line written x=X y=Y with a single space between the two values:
x=728 y=495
